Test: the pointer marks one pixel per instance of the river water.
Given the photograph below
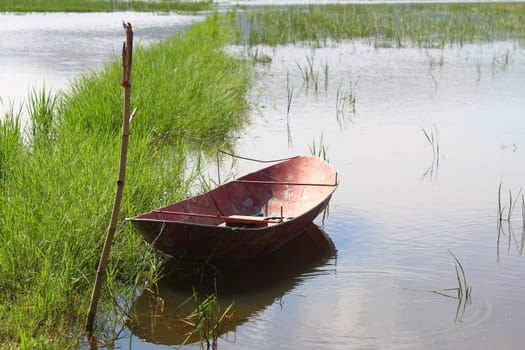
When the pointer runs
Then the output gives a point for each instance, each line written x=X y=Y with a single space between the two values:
x=401 y=207
x=51 y=49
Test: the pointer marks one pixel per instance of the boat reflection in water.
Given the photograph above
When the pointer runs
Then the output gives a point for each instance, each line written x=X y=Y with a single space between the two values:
x=251 y=286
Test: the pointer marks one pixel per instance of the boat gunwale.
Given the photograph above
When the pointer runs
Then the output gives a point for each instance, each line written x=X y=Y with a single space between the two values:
x=284 y=183
x=216 y=227
x=290 y=219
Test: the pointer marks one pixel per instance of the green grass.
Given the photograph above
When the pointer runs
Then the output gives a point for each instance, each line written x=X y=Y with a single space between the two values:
x=385 y=25
x=58 y=178
x=103 y=5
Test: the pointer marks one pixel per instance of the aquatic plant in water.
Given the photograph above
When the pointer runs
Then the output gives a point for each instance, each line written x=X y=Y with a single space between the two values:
x=504 y=214
x=464 y=289
x=208 y=320
x=289 y=95
x=319 y=149
x=345 y=102
x=512 y=205
x=311 y=73
x=432 y=137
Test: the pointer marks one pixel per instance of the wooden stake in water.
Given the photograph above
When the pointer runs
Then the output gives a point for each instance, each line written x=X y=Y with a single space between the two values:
x=127 y=52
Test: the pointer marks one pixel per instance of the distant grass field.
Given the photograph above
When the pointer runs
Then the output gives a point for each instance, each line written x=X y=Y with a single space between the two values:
x=103 y=5
x=383 y=25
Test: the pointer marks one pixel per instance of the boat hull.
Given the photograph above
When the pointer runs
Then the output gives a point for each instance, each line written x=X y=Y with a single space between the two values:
x=248 y=217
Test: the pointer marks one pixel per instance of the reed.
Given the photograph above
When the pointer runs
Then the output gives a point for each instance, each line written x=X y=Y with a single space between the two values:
x=511 y=205
x=432 y=138
x=345 y=101
x=326 y=79
x=208 y=320
x=319 y=149
x=431 y=135
x=464 y=289
x=500 y=62
x=289 y=95
x=523 y=208
x=258 y=56
x=501 y=208
x=310 y=73
x=508 y=231
x=57 y=185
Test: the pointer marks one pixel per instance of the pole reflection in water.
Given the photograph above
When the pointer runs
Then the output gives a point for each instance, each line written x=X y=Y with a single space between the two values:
x=158 y=315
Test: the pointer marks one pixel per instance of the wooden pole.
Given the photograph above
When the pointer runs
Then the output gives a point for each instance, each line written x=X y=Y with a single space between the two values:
x=127 y=52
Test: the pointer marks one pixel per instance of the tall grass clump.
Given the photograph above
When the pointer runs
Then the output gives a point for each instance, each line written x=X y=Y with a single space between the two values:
x=103 y=5
x=42 y=111
x=58 y=182
x=10 y=144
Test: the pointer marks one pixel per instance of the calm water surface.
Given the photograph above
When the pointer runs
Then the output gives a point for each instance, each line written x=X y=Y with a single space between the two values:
x=392 y=220
x=54 y=48
x=397 y=212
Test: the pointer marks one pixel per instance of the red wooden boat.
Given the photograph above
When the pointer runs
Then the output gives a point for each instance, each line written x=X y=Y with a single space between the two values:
x=251 y=216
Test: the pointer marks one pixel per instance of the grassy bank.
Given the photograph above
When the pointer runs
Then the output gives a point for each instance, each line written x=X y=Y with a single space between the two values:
x=58 y=179
x=398 y=25
x=103 y=5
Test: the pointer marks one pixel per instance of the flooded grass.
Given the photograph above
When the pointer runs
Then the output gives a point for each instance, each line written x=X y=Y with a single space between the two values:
x=386 y=25
x=511 y=205
x=345 y=102
x=103 y=6
x=464 y=288
x=431 y=135
x=523 y=208
x=57 y=178
x=319 y=149
x=207 y=320
x=289 y=97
